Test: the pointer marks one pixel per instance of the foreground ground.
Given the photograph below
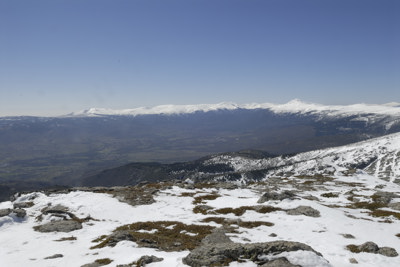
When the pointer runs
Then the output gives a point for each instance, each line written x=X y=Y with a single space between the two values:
x=168 y=220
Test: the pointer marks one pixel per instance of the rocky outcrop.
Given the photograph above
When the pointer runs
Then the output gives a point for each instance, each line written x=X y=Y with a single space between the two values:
x=5 y=212
x=371 y=247
x=218 y=249
x=59 y=226
x=304 y=210
x=270 y=195
x=144 y=260
x=20 y=213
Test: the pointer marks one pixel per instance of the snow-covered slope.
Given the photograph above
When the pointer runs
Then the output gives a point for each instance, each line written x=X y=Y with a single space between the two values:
x=379 y=157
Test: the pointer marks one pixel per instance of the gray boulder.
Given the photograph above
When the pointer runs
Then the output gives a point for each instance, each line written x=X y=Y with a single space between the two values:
x=217 y=236
x=222 y=253
x=148 y=259
x=388 y=252
x=4 y=212
x=384 y=197
x=369 y=247
x=59 y=226
x=270 y=195
x=23 y=205
x=304 y=210
x=20 y=213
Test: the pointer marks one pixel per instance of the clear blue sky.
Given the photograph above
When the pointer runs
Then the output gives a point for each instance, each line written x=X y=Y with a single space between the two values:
x=62 y=56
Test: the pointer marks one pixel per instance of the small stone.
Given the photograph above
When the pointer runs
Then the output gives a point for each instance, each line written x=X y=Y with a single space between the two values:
x=148 y=259
x=54 y=256
x=273 y=235
x=353 y=261
x=348 y=236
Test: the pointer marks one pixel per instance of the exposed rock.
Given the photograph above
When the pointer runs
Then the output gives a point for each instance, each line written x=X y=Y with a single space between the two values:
x=384 y=197
x=369 y=247
x=148 y=259
x=273 y=235
x=23 y=205
x=279 y=262
x=54 y=256
x=395 y=206
x=20 y=213
x=59 y=226
x=118 y=236
x=269 y=195
x=4 y=212
x=55 y=209
x=388 y=252
x=353 y=261
x=217 y=236
x=203 y=209
x=222 y=253
x=348 y=236
x=304 y=210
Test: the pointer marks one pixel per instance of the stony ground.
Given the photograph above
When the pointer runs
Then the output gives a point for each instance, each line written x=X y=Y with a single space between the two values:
x=295 y=221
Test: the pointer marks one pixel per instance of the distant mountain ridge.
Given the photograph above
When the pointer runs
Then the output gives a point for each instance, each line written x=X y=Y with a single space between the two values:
x=293 y=106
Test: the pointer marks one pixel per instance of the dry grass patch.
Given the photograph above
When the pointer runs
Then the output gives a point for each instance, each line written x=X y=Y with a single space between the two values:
x=104 y=261
x=164 y=235
x=204 y=198
x=245 y=224
x=241 y=210
x=385 y=213
x=71 y=238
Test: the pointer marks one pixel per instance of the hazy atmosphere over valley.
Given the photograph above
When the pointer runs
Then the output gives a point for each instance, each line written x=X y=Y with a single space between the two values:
x=200 y=133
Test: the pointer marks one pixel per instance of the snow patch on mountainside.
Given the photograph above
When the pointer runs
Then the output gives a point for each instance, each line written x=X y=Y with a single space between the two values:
x=379 y=157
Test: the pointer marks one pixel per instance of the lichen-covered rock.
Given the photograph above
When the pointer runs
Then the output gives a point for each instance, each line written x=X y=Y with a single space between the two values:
x=4 y=212
x=222 y=253
x=304 y=210
x=59 y=226
x=388 y=252
x=384 y=197
x=148 y=259
x=20 y=213
x=269 y=195
x=23 y=205
x=217 y=236
x=369 y=247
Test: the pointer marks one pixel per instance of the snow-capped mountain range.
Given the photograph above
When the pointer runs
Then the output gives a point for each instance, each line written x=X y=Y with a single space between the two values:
x=294 y=106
